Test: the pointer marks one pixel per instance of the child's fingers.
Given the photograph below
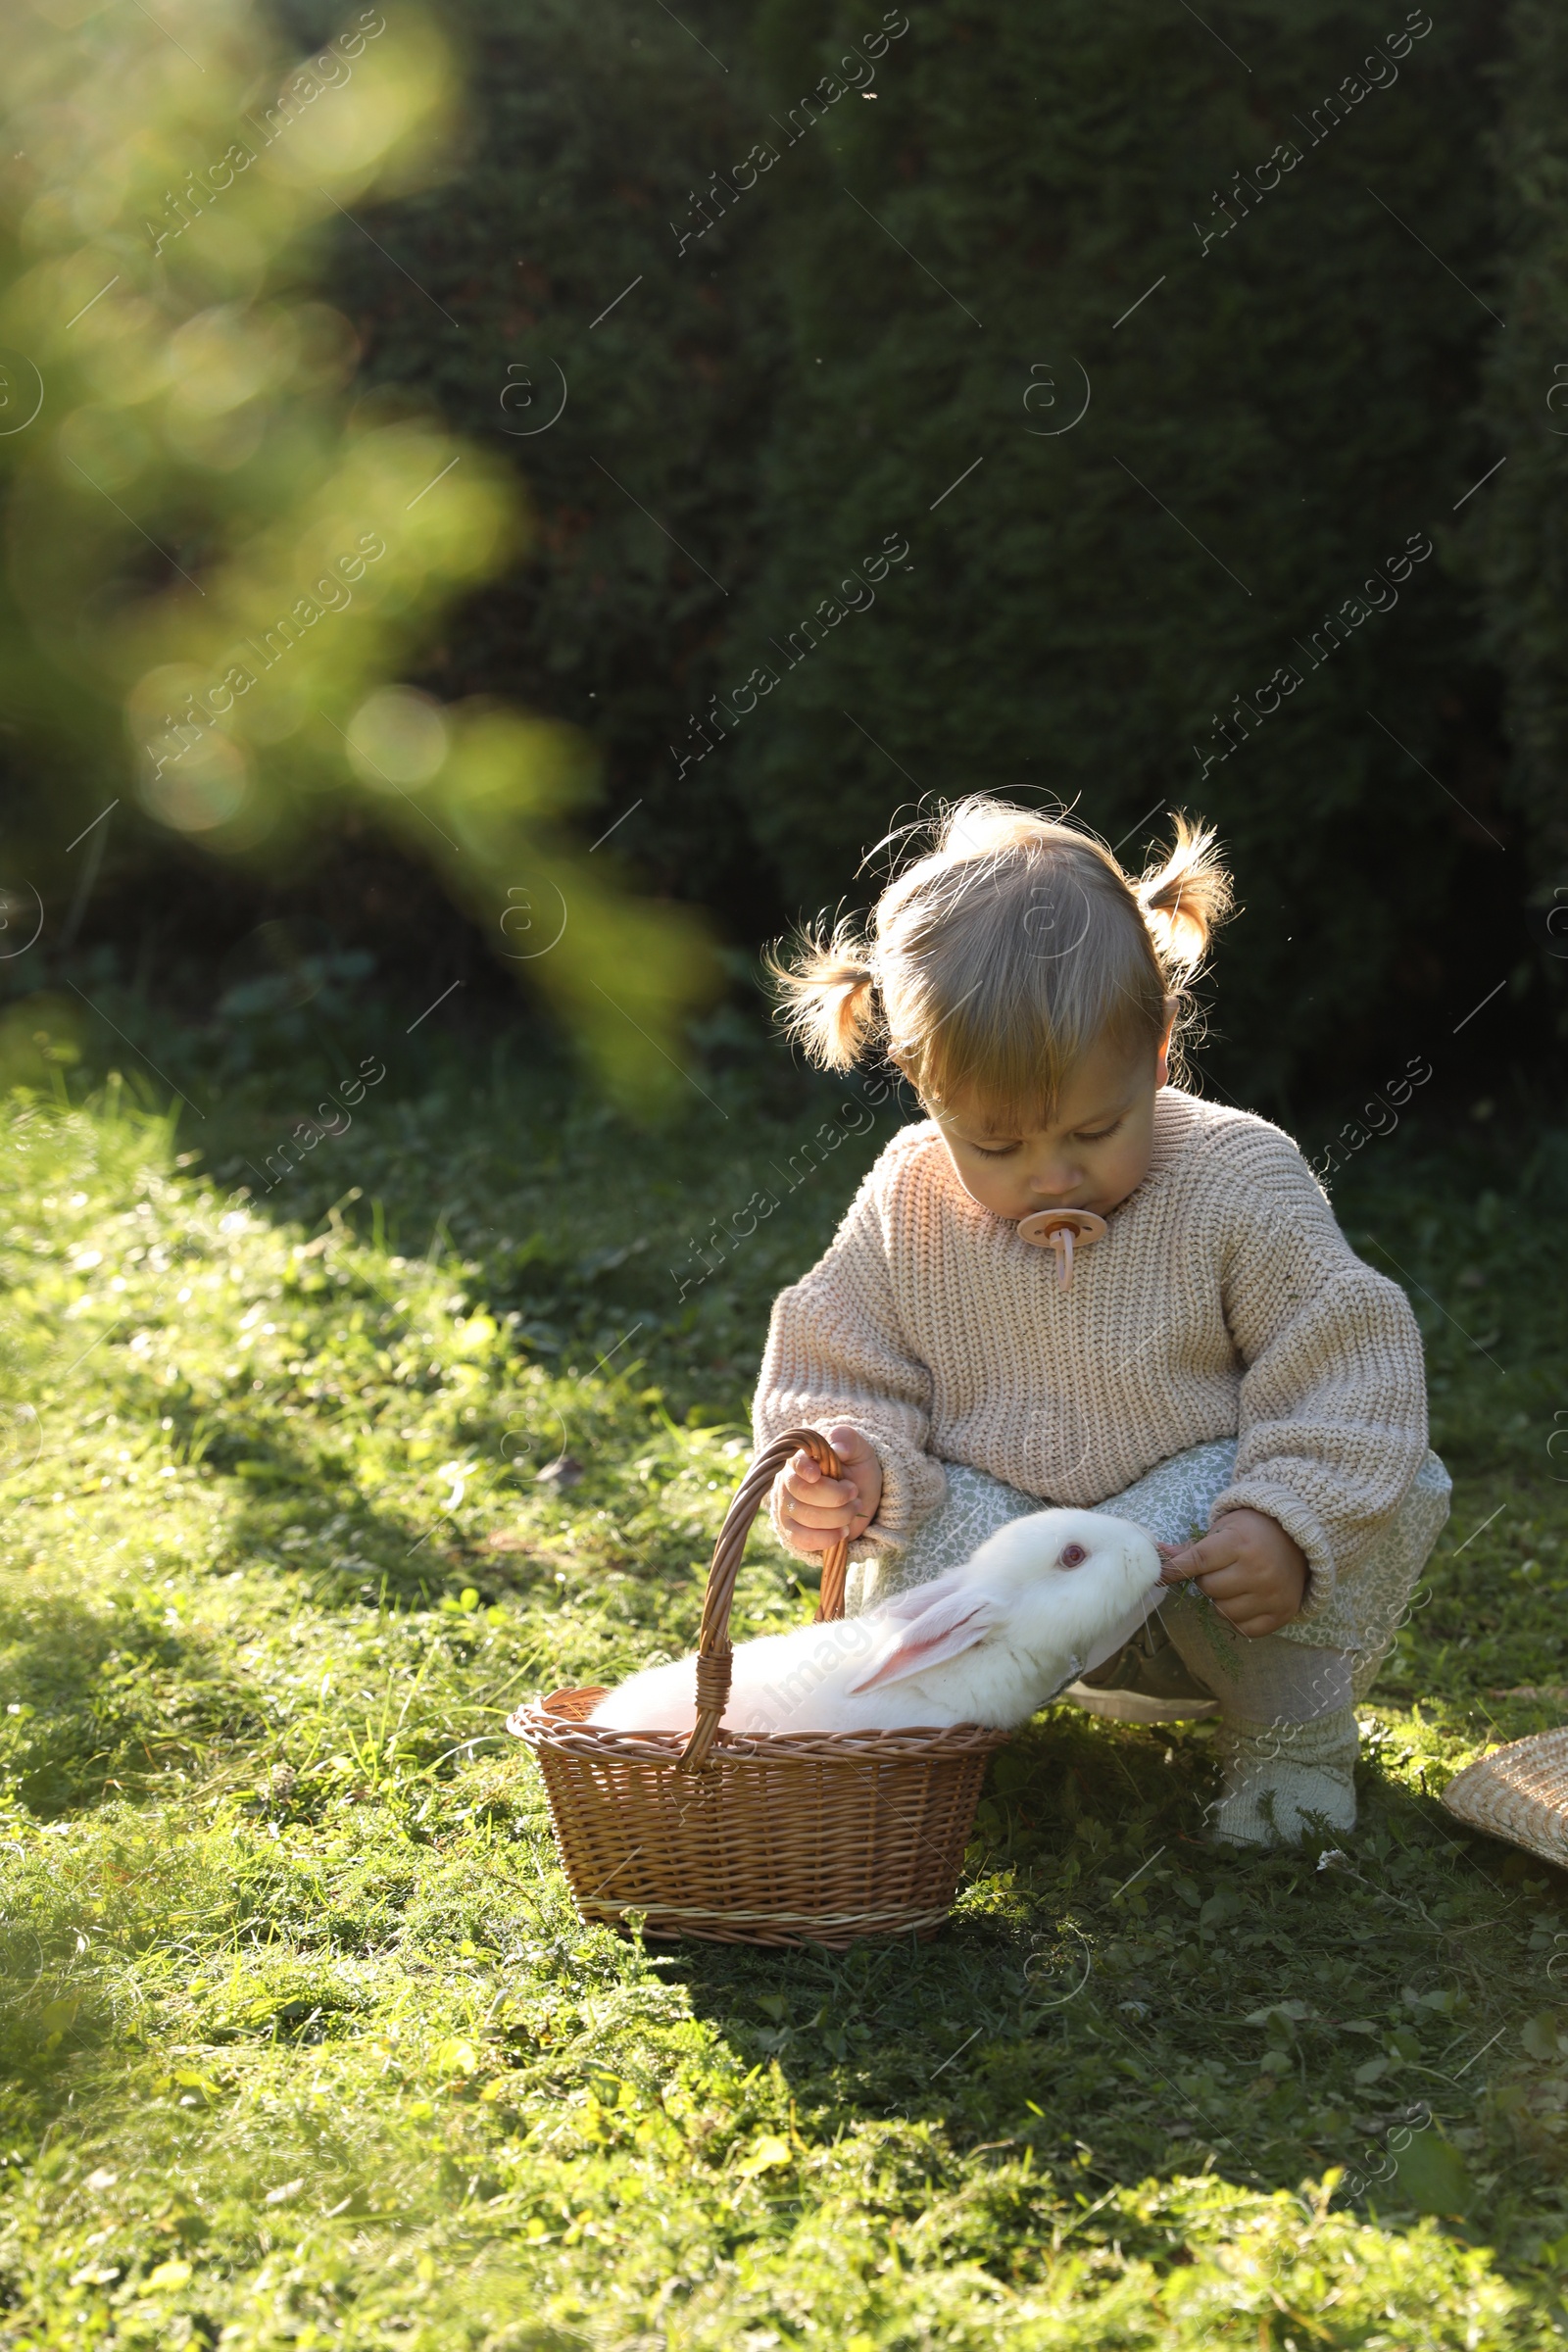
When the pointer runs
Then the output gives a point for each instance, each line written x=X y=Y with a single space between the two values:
x=847 y=1444
x=805 y=1470
x=797 y=1522
x=1255 y=1628
x=1234 y=1600
x=819 y=1515
x=813 y=1510
x=853 y=1451
x=1252 y=1604
x=824 y=1511
x=1232 y=1583
x=1253 y=1618
x=824 y=1490
x=1177 y=1565
x=1195 y=1559
x=811 y=1539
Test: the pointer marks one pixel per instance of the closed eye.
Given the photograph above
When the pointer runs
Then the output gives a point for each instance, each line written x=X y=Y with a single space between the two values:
x=1098 y=1135
x=1071 y=1555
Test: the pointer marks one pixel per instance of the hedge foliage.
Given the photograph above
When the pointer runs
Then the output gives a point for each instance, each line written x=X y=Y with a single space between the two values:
x=1524 y=543
x=1244 y=581
x=1278 y=418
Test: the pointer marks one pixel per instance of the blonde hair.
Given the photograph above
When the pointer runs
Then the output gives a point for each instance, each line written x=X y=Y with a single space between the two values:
x=1003 y=954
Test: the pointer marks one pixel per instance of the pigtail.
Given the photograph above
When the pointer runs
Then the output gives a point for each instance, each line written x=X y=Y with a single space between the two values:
x=1185 y=900
x=827 y=991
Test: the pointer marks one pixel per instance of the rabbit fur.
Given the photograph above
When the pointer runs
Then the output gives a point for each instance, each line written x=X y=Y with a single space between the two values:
x=988 y=1643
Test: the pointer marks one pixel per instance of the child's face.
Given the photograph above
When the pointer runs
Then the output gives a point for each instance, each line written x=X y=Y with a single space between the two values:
x=1096 y=1151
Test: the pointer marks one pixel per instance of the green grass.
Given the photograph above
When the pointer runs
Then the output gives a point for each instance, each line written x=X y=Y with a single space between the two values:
x=304 y=2043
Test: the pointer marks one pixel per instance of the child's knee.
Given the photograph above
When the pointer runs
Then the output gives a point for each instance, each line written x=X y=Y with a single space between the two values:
x=1264 y=1681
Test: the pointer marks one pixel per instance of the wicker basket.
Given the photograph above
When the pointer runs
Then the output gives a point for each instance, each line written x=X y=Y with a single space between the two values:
x=798 y=1837
x=1519 y=1792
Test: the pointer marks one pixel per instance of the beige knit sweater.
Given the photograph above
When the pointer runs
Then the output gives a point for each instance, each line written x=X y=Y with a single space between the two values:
x=1222 y=1301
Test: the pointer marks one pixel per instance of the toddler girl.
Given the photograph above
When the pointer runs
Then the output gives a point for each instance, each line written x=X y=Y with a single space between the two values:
x=1201 y=1352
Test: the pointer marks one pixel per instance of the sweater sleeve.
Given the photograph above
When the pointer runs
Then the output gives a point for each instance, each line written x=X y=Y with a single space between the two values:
x=836 y=1353
x=1333 y=1423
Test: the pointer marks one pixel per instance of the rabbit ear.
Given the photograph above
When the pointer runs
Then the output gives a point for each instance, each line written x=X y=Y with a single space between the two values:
x=948 y=1627
x=915 y=1599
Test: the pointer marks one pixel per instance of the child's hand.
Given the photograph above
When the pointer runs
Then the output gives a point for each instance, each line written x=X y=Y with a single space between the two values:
x=813 y=1510
x=1249 y=1567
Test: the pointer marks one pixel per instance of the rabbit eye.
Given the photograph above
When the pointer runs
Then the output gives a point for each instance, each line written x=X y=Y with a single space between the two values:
x=1073 y=1555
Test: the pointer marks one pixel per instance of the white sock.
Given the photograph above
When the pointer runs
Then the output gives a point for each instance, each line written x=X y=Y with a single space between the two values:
x=1280 y=1778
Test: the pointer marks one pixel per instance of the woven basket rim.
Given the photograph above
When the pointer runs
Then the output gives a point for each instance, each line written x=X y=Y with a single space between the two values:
x=542 y=1723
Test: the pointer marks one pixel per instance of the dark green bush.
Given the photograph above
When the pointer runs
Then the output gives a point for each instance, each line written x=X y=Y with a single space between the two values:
x=1523 y=530
x=1294 y=396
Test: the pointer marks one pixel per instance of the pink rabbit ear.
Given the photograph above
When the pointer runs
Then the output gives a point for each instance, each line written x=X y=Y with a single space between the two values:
x=958 y=1622
x=915 y=1599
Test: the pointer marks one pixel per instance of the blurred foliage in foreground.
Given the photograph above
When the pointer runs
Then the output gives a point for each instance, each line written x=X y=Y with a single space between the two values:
x=221 y=551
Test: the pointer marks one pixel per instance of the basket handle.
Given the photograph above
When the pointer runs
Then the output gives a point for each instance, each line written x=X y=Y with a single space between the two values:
x=713 y=1649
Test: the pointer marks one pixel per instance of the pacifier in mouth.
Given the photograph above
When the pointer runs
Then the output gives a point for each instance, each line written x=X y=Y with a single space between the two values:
x=1058 y=1229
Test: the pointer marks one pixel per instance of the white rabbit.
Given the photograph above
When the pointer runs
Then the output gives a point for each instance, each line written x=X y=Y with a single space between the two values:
x=988 y=1643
